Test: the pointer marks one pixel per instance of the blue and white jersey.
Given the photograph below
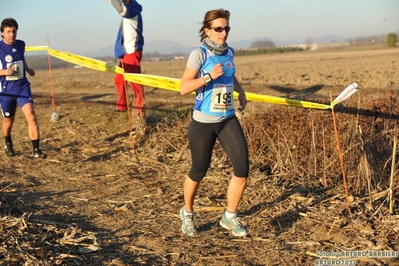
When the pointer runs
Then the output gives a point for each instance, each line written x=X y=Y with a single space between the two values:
x=216 y=98
x=13 y=55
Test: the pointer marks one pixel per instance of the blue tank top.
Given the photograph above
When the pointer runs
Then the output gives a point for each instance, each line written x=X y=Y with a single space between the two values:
x=216 y=98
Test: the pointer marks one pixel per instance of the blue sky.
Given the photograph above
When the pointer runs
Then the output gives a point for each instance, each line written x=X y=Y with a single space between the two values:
x=78 y=26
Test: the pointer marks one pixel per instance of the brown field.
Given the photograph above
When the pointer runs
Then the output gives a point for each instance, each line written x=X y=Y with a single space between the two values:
x=108 y=195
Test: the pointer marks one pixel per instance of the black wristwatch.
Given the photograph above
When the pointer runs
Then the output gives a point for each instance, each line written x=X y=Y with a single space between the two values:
x=207 y=78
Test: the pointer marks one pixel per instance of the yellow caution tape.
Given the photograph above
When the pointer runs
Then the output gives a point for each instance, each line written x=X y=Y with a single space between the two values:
x=154 y=81
x=86 y=61
x=36 y=48
x=174 y=83
x=283 y=101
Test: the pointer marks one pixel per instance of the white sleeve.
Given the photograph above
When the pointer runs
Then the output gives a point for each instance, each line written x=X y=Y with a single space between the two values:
x=119 y=6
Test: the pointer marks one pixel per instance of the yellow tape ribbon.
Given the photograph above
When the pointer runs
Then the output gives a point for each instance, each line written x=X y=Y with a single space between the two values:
x=85 y=61
x=167 y=82
x=36 y=48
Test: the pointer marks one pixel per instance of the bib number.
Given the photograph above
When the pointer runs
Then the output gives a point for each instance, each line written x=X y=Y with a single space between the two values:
x=222 y=98
x=17 y=70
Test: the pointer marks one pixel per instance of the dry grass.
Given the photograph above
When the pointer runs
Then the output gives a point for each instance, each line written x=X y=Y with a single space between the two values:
x=96 y=202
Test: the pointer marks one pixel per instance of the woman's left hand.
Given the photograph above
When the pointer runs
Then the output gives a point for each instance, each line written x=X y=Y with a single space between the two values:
x=242 y=98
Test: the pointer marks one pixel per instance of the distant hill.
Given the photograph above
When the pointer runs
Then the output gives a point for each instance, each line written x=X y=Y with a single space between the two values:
x=168 y=47
x=329 y=38
x=245 y=44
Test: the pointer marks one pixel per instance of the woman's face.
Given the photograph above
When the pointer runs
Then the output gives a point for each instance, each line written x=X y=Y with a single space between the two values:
x=218 y=31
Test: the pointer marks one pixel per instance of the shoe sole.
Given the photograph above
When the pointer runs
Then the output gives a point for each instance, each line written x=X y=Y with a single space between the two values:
x=43 y=156
x=186 y=233
x=222 y=224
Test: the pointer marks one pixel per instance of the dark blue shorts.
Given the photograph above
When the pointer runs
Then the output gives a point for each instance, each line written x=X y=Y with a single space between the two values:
x=10 y=99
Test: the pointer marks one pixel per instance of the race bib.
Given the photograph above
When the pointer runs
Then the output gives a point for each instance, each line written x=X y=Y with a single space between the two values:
x=17 y=70
x=222 y=98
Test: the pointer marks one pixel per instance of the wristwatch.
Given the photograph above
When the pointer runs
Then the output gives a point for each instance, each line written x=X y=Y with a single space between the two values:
x=207 y=78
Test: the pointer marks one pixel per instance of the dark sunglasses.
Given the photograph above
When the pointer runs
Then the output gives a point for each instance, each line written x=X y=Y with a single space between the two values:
x=220 y=29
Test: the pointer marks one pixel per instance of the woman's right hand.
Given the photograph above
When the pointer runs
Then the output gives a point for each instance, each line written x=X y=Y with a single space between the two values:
x=217 y=71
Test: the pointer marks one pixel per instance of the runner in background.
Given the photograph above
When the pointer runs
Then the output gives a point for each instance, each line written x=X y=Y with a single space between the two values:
x=15 y=87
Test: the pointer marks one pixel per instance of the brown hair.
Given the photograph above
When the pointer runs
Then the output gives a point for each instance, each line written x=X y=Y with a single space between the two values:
x=8 y=22
x=209 y=17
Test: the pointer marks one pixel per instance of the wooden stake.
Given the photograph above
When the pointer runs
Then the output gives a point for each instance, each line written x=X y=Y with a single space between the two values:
x=51 y=77
x=340 y=158
x=393 y=163
x=128 y=107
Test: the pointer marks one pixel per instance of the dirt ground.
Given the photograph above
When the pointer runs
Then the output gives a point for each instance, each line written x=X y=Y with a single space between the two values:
x=110 y=191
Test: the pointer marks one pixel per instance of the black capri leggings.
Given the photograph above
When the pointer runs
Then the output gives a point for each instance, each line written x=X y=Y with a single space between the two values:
x=202 y=138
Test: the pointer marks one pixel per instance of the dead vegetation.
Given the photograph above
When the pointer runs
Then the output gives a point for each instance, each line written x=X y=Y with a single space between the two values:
x=95 y=201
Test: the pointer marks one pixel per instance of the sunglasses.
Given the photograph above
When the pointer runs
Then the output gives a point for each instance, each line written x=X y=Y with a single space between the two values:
x=220 y=29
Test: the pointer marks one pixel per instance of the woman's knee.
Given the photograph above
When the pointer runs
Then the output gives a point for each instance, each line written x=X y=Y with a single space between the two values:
x=242 y=170
x=196 y=176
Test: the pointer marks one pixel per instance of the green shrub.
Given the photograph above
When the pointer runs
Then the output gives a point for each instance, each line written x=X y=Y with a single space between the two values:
x=392 y=39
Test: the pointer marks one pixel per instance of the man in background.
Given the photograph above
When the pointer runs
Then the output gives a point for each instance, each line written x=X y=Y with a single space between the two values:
x=129 y=48
x=15 y=87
